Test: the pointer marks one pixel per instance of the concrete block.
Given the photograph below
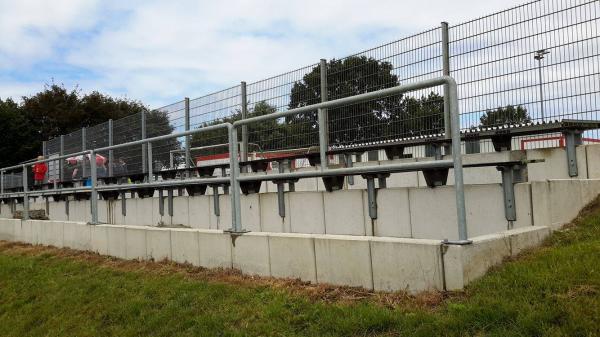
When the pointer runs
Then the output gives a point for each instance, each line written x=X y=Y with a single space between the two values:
x=593 y=161
x=143 y=215
x=103 y=211
x=406 y=264
x=215 y=249
x=269 y=213
x=344 y=260
x=57 y=211
x=540 y=200
x=464 y=264
x=293 y=256
x=223 y=221
x=344 y=212
x=135 y=243
x=180 y=211
x=524 y=238
x=184 y=246
x=36 y=231
x=590 y=188
x=433 y=211
x=52 y=233
x=131 y=217
x=565 y=201
x=23 y=232
x=524 y=206
x=393 y=213
x=77 y=235
x=555 y=164
x=158 y=243
x=7 y=229
x=200 y=211
x=117 y=244
x=251 y=254
x=307 y=213
x=99 y=236
x=250 y=212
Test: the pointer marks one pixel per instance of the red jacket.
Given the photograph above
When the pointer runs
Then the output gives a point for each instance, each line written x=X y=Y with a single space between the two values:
x=39 y=171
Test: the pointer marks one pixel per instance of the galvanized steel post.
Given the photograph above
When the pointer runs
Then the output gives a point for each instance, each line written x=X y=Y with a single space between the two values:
x=322 y=117
x=143 y=145
x=62 y=153
x=188 y=138
x=1 y=182
x=111 y=158
x=244 y=148
x=150 y=166
x=446 y=72
x=25 y=197
x=94 y=193
x=44 y=149
x=234 y=173
x=83 y=148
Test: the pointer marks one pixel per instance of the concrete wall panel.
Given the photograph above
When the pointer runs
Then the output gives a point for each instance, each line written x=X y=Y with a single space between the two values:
x=307 y=213
x=99 y=239
x=215 y=249
x=344 y=260
x=269 y=213
x=135 y=243
x=200 y=210
x=77 y=235
x=184 y=246
x=158 y=243
x=393 y=213
x=344 y=212
x=251 y=254
x=293 y=256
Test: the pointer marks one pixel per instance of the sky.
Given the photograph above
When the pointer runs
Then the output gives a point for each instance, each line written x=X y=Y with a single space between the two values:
x=161 y=51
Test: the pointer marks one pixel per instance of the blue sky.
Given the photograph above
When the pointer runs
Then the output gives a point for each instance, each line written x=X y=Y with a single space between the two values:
x=161 y=51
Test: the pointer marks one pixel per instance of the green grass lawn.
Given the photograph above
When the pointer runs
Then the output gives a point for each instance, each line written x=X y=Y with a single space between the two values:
x=551 y=291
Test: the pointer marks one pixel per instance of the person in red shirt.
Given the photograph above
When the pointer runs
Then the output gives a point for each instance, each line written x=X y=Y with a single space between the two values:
x=39 y=172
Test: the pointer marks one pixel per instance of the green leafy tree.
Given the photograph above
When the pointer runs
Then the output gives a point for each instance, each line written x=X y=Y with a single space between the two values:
x=419 y=116
x=348 y=77
x=505 y=115
x=18 y=140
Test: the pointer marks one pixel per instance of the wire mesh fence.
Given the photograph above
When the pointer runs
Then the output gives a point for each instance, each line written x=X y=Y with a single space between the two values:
x=537 y=62
x=532 y=63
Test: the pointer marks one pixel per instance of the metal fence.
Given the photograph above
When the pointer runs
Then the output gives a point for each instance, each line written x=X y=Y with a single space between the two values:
x=532 y=63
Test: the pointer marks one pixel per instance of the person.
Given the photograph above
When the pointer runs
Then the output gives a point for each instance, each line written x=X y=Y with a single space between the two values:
x=39 y=172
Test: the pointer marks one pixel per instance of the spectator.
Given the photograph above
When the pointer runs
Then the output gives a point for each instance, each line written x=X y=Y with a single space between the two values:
x=39 y=172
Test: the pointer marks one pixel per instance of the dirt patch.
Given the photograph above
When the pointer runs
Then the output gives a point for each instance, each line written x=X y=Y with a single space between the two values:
x=314 y=292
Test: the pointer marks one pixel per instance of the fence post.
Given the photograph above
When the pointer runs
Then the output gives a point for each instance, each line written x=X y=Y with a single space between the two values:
x=188 y=139
x=446 y=72
x=244 y=148
x=1 y=182
x=94 y=194
x=322 y=117
x=44 y=148
x=143 y=145
x=60 y=161
x=111 y=157
x=25 y=197
x=234 y=172
x=150 y=166
x=83 y=148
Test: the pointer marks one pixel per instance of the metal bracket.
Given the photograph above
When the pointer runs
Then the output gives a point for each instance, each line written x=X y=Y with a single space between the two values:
x=349 y=163
x=170 y=201
x=314 y=159
x=436 y=177
x=250 y=187
x=195 y=190
x=281 y=198
x=510 y=175
x=67 y=206
x=146 y=192
x=372 y=191
x=395 y=152
x=216 y=208
x=333 y=183
x=502 y=142
x=572 y=138
x=161 y=203
x=123 y=204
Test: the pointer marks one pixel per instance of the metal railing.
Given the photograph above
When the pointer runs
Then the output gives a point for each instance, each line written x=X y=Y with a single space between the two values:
x=235 y=177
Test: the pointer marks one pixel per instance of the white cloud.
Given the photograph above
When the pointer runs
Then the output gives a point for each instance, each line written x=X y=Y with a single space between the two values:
x=157 y=51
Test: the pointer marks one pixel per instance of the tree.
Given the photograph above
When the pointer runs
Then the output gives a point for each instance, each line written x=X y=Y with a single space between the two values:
x=18 y=140
x=419 y=116
x=348 y=77
x=505 y=115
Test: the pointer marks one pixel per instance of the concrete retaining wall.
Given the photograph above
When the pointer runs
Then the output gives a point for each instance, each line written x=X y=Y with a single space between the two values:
x=388 y=264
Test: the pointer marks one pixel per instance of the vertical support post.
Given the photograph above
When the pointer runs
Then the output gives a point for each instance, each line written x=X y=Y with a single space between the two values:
x=111 y=156
x=244 y=148
x=280 y=191
x=170 y=201
x=234 y=173
x=161 y=203
x=143 y=145
x=25 y=196
x=150 y=166
x=459 y=187
x=508 y=189
x=94 y=194
x=1 y=182
x=123 y=203
x=446 y=72
x=322 y=117
x=573 y=138
x=372 y=197
x=188 y=138
x=216 y=207
x=349 y=163
x=83 y=148
x=44 y=149
x=60 y=162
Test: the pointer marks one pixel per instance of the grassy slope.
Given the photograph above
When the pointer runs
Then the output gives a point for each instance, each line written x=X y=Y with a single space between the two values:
x=552 y=291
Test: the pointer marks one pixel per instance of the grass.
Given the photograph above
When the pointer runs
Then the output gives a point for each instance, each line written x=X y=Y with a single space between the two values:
x=550 y=291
